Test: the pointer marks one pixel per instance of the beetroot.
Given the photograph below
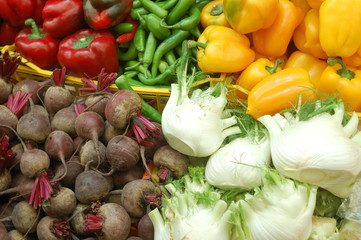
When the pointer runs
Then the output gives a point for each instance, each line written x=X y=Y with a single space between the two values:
x=56 y=96
x=59 y=146
x=91 y=186
x=170 y=163
x=24 y=217
x=6 y=158
x=145 y=228
x=3 y=232
x=77 y=219
x=34 y=125
x=122 y=153
x=8 y=65
x=23 y=187
x=10 y=112
x=50 y=228
x=110 y=222
x=64 y=120
x=30 y=86
x=63 y=203
x=121 y=178
x=110 y=132
x=16 y=235
x=137 y=195
x=154 y=142
x=74 y=169
x=90 y=126
x=88 y=153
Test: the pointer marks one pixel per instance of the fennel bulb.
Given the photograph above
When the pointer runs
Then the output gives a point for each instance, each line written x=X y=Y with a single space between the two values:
x=280 y=209
x=227 y=167
x=195 y=211
x=324 y=228
x=195 y=125
x=317 y=151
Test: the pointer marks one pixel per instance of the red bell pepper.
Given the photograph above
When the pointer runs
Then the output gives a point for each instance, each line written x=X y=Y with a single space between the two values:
x=15 y=12
x=87 y=51
x=8 y=33
x=103 y=14
x=36 y=46
x=63 y=17
x=128 y=36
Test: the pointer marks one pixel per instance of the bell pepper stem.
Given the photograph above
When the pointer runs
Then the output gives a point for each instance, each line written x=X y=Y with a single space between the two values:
x=36 y=32
x=343 y=72
x=217 y=10
x=192 y=44
x=273 y=69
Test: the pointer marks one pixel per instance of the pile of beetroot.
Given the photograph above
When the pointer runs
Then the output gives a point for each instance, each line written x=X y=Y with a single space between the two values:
x=72 y=167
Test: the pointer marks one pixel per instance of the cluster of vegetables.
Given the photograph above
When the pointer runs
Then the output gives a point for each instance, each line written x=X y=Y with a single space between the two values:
x=72 y=167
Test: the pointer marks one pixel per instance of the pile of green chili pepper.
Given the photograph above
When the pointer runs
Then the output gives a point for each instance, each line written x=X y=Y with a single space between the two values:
x=150 y=59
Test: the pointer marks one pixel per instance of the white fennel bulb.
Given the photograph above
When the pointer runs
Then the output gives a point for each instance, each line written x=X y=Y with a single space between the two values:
x=324 y=228
x=195 y=125
x=239 y=164
x=280 y=209
x=317 y=151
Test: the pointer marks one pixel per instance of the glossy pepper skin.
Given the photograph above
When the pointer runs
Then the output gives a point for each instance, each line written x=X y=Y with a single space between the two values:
x=36 y=46
x=86 y=52
x=63 y=17
x=212 y=14
x=8 y=33
x=340 y=22
x=344 y=80
x=246 y=16
x=256 y=72
x=273 y=41
x=15 y=12
x=315 y=4
x=303 y=4
x=306 y=36
x=103 y=14
x=313 y=65
x=279 y=91
x=226 y=50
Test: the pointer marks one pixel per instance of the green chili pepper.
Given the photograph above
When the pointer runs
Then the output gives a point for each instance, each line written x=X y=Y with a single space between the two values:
x=136 y=12
x=167 y=44
x=154 y=8
x=153 y=24
x=130 y=54
x=201 y=3
x=178 y=50
x=121 y=28
x=137 y=83
x=148 y=111
x=139 y=39
x=150 y=47
x=136 y=4
x=162 y=66
x=131 y=73
x=187 y=23
x=195 y=31
x=135 y=65
x=179 y=10
x=167 y=4
x=163 y=78
x=170 y=57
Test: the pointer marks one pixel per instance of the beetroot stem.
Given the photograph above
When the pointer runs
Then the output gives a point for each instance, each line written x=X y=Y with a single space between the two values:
x=41 y=191
x=6 y=156
x=79 y=108
x=93 y=223
x=61 y=229
x=59 y=77
x=17 y=103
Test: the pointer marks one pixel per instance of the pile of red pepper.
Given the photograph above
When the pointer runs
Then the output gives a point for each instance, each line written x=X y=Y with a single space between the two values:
x=79 y=35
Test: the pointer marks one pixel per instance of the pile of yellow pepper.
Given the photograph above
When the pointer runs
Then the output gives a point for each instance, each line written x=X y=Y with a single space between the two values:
x=279 y=49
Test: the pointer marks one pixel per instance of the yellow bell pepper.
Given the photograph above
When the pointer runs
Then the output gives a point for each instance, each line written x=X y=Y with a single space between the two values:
x=306 y=36
x=343 y=81
x=303 y=4
x=279 y=91
x=354 y=60
x=212 y=14
x=274 y=40
x=246 y=16
x=256 y=72
x=313 y=65
x=340 y=22
x=221 y=49
x=315 y=4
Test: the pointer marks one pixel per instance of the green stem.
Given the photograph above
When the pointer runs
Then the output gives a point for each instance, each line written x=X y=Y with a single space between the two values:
x=273 y=69
x=192 y=44
x=36 y=32
x=343 y=72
